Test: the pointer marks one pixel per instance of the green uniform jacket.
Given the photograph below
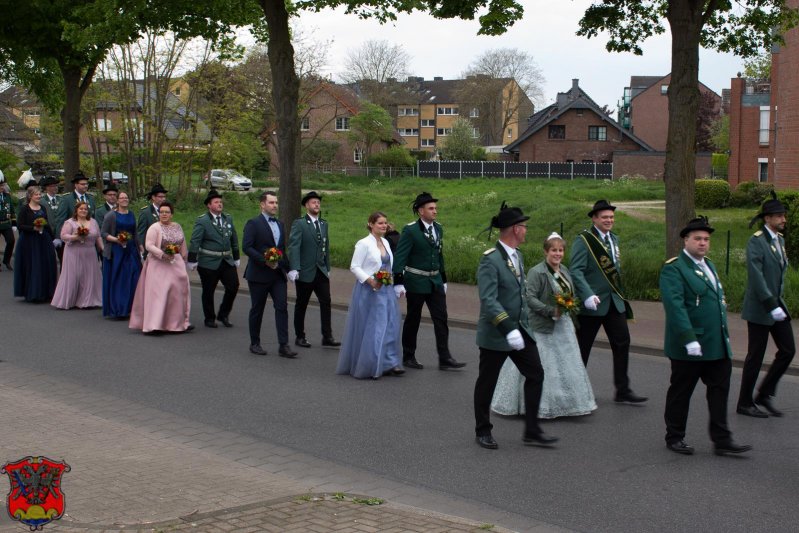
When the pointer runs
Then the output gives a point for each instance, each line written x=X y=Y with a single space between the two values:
x=766 y=285
x=8 y=210
x=51 y=209
x=307 y=251
x=695 y=311
x=147 y=215
x=101 y=212
x=208 y=237
x=502 y=300
x=415 y=250
x=66 y=208
x=589 y=279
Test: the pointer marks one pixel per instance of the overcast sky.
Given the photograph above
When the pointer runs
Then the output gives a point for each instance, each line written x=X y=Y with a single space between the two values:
x=446 y=47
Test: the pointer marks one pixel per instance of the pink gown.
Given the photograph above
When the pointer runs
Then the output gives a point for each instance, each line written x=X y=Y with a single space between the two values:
x=81 y=281
x=162 y=300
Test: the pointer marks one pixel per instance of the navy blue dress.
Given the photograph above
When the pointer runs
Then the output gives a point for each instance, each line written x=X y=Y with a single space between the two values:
x=35 y=267
x=121 y=272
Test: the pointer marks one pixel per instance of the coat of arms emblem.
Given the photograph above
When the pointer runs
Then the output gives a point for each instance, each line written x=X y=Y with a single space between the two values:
x=35 y=498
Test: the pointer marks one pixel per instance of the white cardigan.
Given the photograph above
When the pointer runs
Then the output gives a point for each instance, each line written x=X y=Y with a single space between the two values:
x=366 y=258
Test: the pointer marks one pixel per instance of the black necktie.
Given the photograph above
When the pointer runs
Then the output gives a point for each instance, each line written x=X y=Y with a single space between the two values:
x=430 y=233
x=218 y=220
x=272 y=219
x=318 y=231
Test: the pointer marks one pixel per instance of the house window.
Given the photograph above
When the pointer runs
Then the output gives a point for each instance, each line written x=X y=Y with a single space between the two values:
x=33 y=113
x=664 y=89
x=597 y=133
x=557 y=132
x=579 y=112
x=408 y=132
x=343 y=124
x=305 y=124
x=357 y=155
x=443 y=132
x=428 y=123
x=408 y=112
x=475 y=133
x=510 y=133
x=762 y=170
x=765 y=114
x=474 y=113
x=447 y=111
x=103 y=124
x=428 y=142
x=177 y=90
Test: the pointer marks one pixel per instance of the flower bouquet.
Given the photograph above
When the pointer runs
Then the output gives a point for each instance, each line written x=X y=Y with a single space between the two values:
x=123 y=237
x=383 y=277
x=39 y=223
x=567 y=303
x=82 y=233
x=171 y=250
x=273 y=255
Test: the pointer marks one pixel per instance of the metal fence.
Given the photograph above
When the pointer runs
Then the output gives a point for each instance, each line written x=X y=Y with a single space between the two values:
x=374 y=172
x=514 y=169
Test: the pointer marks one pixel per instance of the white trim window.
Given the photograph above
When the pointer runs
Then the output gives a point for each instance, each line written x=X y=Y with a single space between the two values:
x=597 y=133
x=443 y=132
x=428 y=143
x=765 y=118
x=305 y=124
x=664 y=90
x=408 y=112
x=357 y=155
x=408 y=132
x=428 y=123
x=475 y=133
x=447 y=111
x=474 y=113
x=102 y=124
x=342 y=123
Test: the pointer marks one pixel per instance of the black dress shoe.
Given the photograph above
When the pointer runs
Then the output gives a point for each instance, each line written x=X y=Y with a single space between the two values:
x=730 y=447
x=765 y=402
x=330 y=341
x=750 y=410
x=190 y=327
x=210 y=324
x=300 y=341
x=397 y=371
x=680 y=447
x=487 y=441
x=225 y=321
x=413 y=363
x=629 y=397
x=285 y=351
x=539 y=439
x=257 y=350
x=449 y=363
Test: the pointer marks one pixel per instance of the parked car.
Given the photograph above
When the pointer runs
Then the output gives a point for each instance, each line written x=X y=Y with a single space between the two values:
x=226 y=178
x=117 y=177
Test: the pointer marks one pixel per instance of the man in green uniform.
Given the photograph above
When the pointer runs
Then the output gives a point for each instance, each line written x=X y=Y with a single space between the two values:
x=67 y=202
x=696 y=340
x=110 y=193
x=149 y=214
x=503 y=329
x=419 y=274
x=765 y=311
x=8 y=217
x=51 y=201
x=214 y=252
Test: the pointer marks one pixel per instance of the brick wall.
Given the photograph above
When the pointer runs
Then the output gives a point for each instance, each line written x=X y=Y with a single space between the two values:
x=649 y=114
x=787 y=104
x=650 y=164
x=745 y=148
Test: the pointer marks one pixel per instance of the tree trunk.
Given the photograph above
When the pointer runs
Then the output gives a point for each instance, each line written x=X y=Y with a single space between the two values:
x=685 y=19
x=75 y=85
x=285 y=95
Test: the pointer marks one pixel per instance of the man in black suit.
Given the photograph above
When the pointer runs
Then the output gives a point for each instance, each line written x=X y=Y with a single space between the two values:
x=265 y=278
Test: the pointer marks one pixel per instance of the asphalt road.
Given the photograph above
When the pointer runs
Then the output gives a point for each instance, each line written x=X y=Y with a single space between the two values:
x=610 y=472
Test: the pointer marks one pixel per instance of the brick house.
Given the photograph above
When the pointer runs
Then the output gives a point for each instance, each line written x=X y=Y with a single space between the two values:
x=644 y=108
x=573 y=129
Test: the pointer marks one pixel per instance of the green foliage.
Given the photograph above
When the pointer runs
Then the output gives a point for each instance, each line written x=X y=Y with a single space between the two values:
x=758 y=67
x=420 y=155
x=719 y=163
x=791 y=201
x=396 y=156
x=459 y=145
x=755 y=191
x=371 y=125
x=7 y=162
x=720 y=135
x=711 y=194
x=319 y=152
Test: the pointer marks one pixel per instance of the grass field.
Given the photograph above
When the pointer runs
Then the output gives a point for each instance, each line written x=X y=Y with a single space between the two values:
x=466 y=207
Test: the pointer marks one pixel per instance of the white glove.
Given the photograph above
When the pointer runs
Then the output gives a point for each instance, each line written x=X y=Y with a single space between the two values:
x=515 y=340
x=591 y=302
x=399 y=290
x=293 y=275
x=445 y=288
x=694 y=349
x=191 y=266
x=778 y=314
x=57 y=242
x=237 y=262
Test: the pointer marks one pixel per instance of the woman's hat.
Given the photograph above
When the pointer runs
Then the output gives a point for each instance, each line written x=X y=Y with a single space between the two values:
x=699 y=223
x=423 y=199
x=601 y=205
x=213 y=193
x=157 y=189
x=309 y=196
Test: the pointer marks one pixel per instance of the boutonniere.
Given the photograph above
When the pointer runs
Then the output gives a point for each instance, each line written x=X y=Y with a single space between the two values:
x=699 y=273
x=773 y=248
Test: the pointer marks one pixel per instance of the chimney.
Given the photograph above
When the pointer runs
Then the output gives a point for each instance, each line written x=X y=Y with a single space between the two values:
x=575 y=92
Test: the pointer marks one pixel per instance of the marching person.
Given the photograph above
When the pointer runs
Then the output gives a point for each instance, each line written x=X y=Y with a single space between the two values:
x=214 y=252
x=419 y=274
x=67 y=202
x=596 y=272
x=765 y=311
x=149 y=214
x=696 y=340
x=503 y=329
x=51 y=202
x=264 y=242
x=8 y=218
x=110 y=193
x=309 y=258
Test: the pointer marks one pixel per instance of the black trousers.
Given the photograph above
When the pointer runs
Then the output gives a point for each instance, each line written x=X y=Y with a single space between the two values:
x=437 y=305
x=8 y=235
x=321 y=287
x=259 y=292
x=529 y=364
x=229 y=276
x=782 y=333
x=615 y=324
x=684 y=376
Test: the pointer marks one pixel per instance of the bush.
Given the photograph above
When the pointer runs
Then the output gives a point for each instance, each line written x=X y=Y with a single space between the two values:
x=739 y=199
x=421 y=155
x=791 y=201
x=757 y=192
x=396 y=157
x=711 y=194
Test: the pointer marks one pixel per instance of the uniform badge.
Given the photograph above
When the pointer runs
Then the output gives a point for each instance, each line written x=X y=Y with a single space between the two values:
x=35 y=498
x=699 y=273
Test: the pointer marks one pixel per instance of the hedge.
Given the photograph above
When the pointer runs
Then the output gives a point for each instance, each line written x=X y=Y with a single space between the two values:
x=711 y=194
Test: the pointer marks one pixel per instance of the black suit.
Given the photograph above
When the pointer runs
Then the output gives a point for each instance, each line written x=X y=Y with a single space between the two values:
x=264 y=281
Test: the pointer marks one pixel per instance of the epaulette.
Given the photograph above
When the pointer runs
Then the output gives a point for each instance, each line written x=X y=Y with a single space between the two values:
x=199 y=217
x=489 y=251
x=673 y=259
x=145 y=207
x=758 y=233
x=780 y=234
x=410 y=223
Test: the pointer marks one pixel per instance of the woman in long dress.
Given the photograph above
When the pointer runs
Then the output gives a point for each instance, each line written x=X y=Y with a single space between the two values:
x=370 y=347
x=162 y=300
x=567 y=390
x=81 y=281
x=121 y=260
x=35 y=267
